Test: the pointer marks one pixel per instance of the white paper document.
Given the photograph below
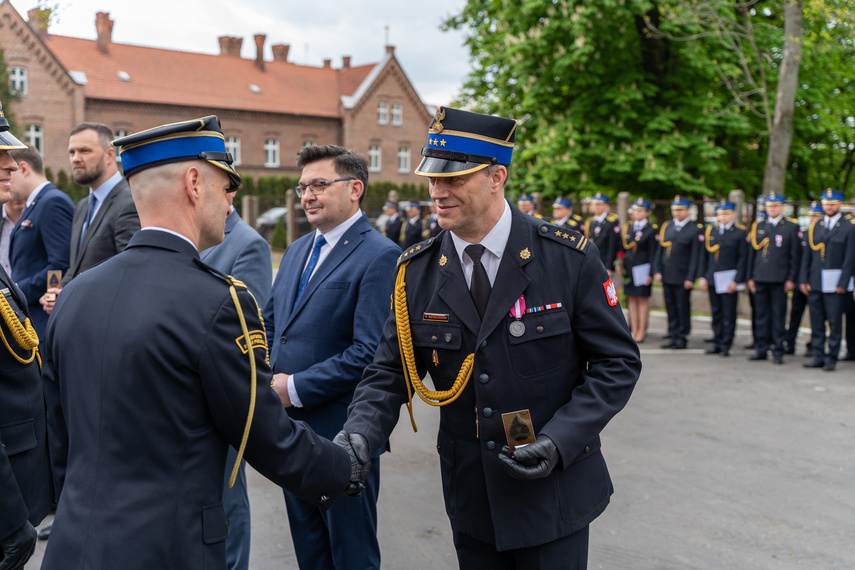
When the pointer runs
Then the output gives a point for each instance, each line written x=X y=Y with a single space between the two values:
x=830 y=279
x=640 y=273
x=723 y=279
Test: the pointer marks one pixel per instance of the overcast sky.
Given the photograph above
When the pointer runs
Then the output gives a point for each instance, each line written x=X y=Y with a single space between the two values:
x=435 y=62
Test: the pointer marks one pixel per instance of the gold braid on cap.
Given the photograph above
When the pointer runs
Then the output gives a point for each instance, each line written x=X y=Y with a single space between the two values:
x=408 y=357
x=820 y=247
x=23 y=334
x=626 y=245
x=252 y=371
x=764 y=243
x=662 y=242
x=712 y=249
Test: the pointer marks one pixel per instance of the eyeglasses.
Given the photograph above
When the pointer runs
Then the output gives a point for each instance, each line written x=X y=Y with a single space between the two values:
x=317 y=187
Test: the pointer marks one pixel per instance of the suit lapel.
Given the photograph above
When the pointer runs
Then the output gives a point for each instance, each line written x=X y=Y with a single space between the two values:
x=453 y=290
x=96 y=221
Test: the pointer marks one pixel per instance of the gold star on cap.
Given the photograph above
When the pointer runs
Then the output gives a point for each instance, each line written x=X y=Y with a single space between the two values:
x=442 y=261
x=442 y=142
x=525 y=254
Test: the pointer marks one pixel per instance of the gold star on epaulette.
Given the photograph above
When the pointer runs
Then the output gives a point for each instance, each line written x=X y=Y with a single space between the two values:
x=418 y=248
x=411 y=251
x=525 y=254
x=558 y=233
x=565 y=236
x=442 y=261
x=572 y=238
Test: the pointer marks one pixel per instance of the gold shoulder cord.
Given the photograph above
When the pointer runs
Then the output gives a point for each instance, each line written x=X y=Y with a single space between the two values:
x=662 y=242
x=24 y=334
x=623 y=238
x=820 y=247
x=252 y=371
x=712 y=249
x=408 y=357
x=764 y=243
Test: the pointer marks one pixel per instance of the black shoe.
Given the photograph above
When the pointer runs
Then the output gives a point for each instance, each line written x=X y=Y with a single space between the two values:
x=712 y=350
x=778 y=359
x=671 y=344
x=790 y=350
x=849 y=356
x=710 y=339
x=44 y=532
x=666 y=335
x=816 y=363
x=724 y=353
x=679 y=345
x=829 y=366
x=757 y=356
x=749 y=346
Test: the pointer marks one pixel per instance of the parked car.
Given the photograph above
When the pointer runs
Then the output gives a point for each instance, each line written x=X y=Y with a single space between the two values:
x=266 y=222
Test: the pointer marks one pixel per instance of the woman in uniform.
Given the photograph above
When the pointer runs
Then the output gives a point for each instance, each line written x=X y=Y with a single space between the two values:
x=639 y=239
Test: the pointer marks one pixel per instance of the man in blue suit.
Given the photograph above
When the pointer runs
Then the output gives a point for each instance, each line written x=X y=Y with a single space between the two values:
x=40 y=240
x=245 y=255
x=324 y=320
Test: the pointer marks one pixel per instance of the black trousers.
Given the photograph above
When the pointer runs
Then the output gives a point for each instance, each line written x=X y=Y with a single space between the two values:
x=723 y=318
x=770 y=312
x=849 y=311
x=679 y=310
x=826 y=307
x=567 y=553
x=797 y=311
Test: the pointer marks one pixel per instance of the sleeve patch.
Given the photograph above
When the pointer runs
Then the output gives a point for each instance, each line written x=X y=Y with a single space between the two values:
x=611 y=293
x=257 y=338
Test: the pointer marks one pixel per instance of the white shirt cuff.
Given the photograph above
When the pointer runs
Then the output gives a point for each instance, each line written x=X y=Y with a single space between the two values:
x=292 y=392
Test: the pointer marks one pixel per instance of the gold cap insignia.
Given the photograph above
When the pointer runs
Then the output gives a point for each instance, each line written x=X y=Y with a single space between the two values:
x=437 y=127
x=525 y=254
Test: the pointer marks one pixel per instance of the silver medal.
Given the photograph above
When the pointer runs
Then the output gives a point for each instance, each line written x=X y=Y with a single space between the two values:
x=517 y=329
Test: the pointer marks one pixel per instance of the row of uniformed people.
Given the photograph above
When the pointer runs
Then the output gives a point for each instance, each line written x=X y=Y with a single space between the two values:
x=410 y=230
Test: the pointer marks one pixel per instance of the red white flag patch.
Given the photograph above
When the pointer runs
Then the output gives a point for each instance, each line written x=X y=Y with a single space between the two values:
x=611 y=293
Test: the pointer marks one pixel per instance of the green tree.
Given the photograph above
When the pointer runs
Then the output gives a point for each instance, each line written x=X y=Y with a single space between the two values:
x=279 y=239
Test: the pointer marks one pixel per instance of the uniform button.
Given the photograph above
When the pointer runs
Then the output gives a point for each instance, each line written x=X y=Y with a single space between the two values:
x=283 y=340
x=491 y=445
x=484 y=378
x=543 y=229
x=587 y=449
x=484 y=343
x=539 y=330
x=433 y=338
x=488 y=412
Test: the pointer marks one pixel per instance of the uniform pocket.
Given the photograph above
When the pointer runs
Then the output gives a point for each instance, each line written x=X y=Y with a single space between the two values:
x=543 y=346
x=214 y=527
x=17 y=437
x=432 y=335
x=445 y=448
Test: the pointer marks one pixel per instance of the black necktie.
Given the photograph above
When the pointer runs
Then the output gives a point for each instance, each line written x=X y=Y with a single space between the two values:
x=479 y=285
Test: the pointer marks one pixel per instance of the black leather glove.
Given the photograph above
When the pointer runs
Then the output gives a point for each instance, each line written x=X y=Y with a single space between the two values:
x=356 y=447
x=17 y=549
x=534 y=461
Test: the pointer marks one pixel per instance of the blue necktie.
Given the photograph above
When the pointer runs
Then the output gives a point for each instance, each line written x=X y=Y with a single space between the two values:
x=307 y=273
x=93 y=204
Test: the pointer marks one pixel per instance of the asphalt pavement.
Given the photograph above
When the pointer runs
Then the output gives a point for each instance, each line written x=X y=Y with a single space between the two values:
x=718 y=463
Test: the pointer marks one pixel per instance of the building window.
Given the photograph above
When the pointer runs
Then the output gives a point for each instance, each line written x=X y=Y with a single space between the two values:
x=233 y=146
x=383 y=114
x=403 y=159
x=117 y=135
x=374 y=158
x=309 y=143
x=397 y=115
x=36 y=138
x=271 y=153
x=18 y=80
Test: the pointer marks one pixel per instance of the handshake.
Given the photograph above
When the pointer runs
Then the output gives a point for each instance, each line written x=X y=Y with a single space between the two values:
x=356 y=447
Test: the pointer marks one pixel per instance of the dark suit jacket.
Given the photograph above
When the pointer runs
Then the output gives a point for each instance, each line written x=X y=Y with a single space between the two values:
x=26 y=492
x=393 y=229
x=779 y=259
x=839 y=253
x=111 y=230
x=39 y=242
x=329 y=338
x=245 y=255
x=573 y=368
x=682 y=260
x=147 y=382
x=730 y=251
x=412 y=233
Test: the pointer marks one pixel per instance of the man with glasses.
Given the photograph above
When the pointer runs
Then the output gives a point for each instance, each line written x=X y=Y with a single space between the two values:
x=324 y=320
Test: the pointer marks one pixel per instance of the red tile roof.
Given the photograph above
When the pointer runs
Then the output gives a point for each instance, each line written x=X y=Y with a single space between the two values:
x=203 y=80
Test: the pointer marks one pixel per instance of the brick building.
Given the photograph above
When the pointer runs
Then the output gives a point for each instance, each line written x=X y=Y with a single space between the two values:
x=268 y=109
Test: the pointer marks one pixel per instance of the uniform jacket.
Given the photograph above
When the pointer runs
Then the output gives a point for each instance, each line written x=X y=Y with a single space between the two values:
x=430 y=227
x=147 y=380
x=411 y=233
x=39 y=242
x=829 y=249
x=724 y=252
x=775 y=251
x=574 y=367
x=681 y=260
x=108 y=234
x=606 y=236
x=574 y=222
x=26 y=492
x=644 y=250
x=331 y=335
x=393 y=229
x=245 y=255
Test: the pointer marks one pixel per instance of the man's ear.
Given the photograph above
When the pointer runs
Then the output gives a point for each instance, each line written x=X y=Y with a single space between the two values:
x=498 y=177
x=357 y=190
x=24 y=168
x=193 y=184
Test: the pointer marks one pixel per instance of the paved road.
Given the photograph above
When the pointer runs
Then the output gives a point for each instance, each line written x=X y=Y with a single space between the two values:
x=717 y=463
